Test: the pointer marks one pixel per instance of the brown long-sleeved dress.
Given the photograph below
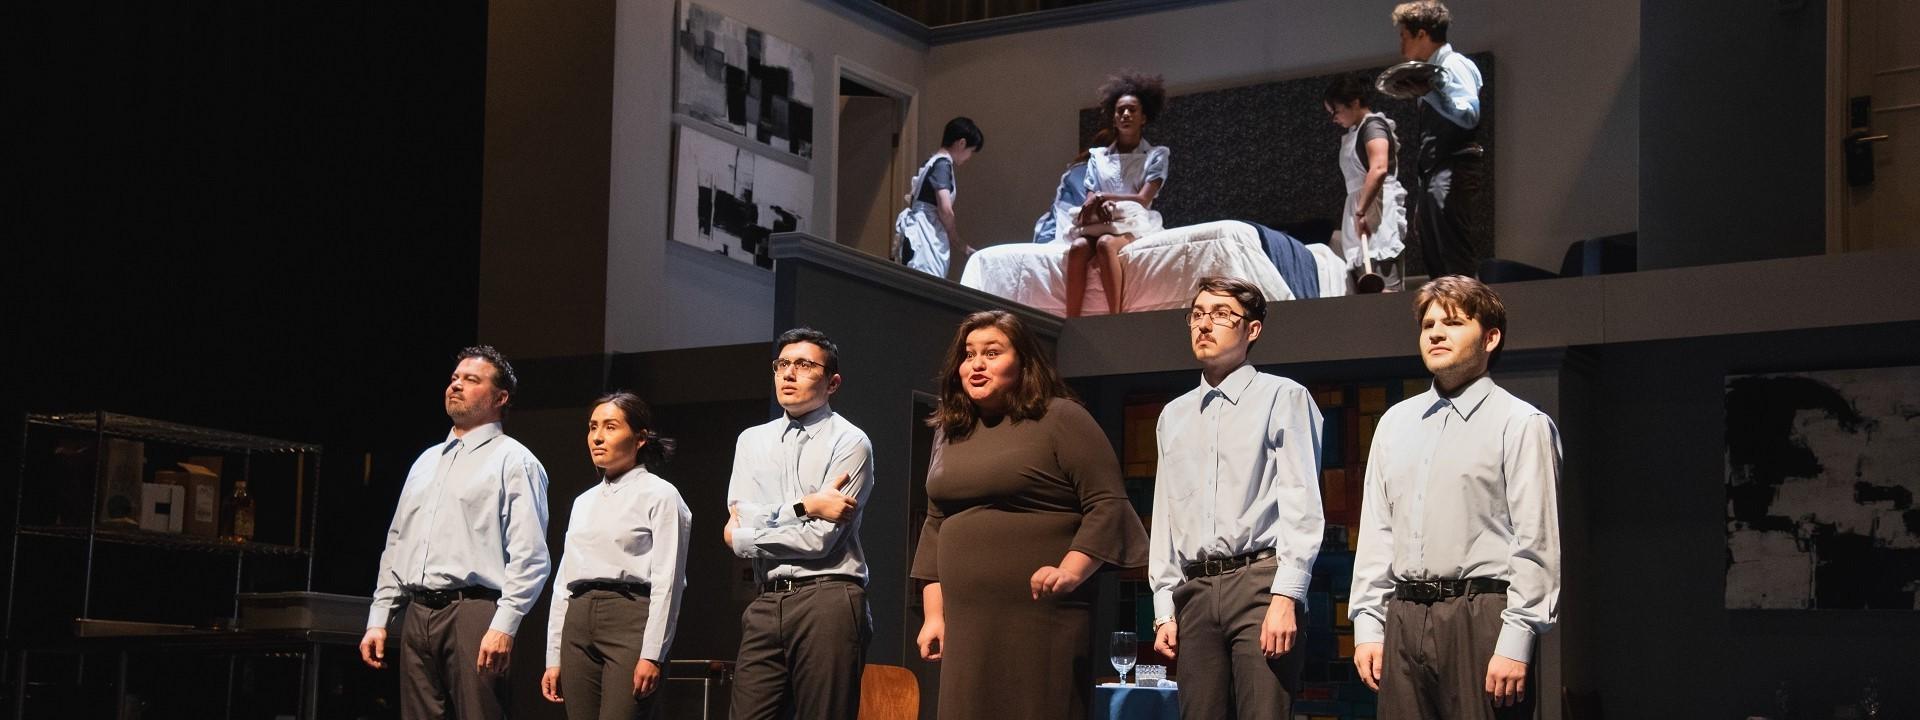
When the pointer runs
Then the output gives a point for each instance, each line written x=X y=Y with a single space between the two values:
x=1003 y=502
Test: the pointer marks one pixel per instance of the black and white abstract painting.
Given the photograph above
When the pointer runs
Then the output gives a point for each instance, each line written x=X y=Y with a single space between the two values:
x=1821 y=473
x=745 y=81
x=729 y=200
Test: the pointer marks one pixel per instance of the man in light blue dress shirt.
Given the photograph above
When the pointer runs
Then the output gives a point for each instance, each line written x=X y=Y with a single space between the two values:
x=798 y=482
x=1458 y=566
x=466 y=555
x=1448 y=169
x=1237 y=520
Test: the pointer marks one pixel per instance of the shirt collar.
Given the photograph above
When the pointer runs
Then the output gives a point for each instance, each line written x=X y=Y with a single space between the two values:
x=475 y=437
x=1440 y=53
x=1233 y=388
x=1468 y=401
x=630 y=478
x=810 y=423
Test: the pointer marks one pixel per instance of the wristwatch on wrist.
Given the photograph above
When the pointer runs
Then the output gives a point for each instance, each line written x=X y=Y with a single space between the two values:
x=1157 y=622
x=800 y=509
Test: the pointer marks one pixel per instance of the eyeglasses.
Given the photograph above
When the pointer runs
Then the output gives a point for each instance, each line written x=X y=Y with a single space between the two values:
x=1220 y=316
x=804 y=366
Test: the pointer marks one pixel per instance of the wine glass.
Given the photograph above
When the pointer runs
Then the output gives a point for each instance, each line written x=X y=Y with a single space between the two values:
x=1125 y=652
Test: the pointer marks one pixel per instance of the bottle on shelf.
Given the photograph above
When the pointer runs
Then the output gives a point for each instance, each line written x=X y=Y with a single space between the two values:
x=242 y=513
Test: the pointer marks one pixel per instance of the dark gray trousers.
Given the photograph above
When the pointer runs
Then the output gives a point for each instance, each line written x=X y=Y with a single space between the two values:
x=801 y=654
x=439 y=664
x=599 y=647
x=1223 y=673
x=1436 y=659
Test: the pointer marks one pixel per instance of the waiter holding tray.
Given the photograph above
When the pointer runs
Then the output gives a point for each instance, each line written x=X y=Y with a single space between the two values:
x=1448 y=170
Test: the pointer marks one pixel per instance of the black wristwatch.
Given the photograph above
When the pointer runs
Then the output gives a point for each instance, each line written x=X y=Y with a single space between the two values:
x=800 y=509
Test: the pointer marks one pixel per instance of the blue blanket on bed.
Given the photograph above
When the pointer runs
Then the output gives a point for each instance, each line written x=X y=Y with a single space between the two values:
x=1291 y=258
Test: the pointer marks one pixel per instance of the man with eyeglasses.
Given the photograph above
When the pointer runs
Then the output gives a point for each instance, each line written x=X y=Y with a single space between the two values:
x=793 y=508
x=1237 y=520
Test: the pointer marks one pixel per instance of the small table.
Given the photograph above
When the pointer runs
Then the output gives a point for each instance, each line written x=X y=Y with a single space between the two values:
x=1133 y=702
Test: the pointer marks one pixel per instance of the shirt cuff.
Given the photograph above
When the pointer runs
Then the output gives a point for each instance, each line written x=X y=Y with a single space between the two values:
x=1368 y=629
x=506 y=620
x=1291 y=583
x=377 y=616
x=654 y=652
x=1163 y=604
x=1515 y=643
x=743 y=541
x=553 y=657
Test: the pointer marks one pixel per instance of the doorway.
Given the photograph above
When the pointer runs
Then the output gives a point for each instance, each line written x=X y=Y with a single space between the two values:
x=871 y=169
x=1873 y=125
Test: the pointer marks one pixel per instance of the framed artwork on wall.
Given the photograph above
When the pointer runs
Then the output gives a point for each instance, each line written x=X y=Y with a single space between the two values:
x=1820 y=481
x=738 y=79
x=729 y=200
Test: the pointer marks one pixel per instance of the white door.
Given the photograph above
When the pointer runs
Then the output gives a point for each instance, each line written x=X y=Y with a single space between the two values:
x=1882 y=59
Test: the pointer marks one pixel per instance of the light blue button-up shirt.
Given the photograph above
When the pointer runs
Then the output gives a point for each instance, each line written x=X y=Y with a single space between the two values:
x=473 y=512
x=1456 y=92
x=630 y=529
x=1461 y=488
x=776 y=464
x=1239 y=472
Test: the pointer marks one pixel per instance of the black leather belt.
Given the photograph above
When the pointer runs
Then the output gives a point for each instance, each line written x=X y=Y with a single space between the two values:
x=1437 y=590
x=1208 y=568
x=624 y=588
x=437 y=599
x=787 y=585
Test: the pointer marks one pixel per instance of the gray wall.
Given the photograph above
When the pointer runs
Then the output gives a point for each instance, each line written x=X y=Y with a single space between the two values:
x=1732 y=165
x=1664 y=646
x=661 y=297
x=1569 y=100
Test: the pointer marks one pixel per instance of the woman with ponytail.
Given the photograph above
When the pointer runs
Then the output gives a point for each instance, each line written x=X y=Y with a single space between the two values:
x=616 y=596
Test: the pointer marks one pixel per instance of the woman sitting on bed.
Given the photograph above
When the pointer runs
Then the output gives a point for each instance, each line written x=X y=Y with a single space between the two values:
x=1122 y=180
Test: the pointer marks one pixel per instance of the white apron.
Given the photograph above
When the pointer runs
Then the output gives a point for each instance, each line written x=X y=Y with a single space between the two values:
x=1119 y=173
x=1388 y=217
x=918 y=227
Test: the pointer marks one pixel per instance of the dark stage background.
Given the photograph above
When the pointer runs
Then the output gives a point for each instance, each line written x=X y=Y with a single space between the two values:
x=261 y=217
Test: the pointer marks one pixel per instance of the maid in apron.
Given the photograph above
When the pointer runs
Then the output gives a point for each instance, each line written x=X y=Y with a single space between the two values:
x=1123 y=178
x=1375 y=208
x=925 y=232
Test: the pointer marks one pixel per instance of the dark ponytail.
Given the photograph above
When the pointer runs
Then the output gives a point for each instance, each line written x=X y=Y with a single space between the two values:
x=658 y=450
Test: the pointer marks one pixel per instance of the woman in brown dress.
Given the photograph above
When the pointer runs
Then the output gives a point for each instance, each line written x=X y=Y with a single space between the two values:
x=1024 y=504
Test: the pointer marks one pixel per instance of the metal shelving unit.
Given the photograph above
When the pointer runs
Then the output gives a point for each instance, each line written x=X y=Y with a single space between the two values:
x=47 y=509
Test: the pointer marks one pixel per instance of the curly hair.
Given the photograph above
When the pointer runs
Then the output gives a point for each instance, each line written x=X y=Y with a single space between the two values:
x=1428 y=15
x=1150 y=90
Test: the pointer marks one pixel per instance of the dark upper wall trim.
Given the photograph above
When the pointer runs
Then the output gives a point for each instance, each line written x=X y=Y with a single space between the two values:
x=882 y=18
x=801 y=246
x=911 y=29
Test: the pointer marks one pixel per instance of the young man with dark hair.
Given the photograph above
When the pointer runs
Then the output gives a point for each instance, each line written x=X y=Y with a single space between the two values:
x=465 y=578
x=1237 y=520
x=1448 y=170
x=926 y=231
x=1458 y=568
x=793 y=508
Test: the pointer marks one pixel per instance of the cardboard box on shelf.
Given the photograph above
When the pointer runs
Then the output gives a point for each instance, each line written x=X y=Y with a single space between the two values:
x=120 y=493
x=162 y=507
x=203 y=499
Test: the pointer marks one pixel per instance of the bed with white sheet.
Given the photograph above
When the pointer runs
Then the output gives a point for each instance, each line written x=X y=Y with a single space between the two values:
x=1161 y=269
